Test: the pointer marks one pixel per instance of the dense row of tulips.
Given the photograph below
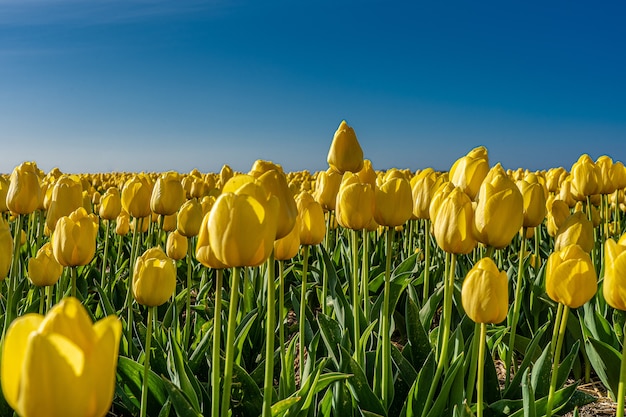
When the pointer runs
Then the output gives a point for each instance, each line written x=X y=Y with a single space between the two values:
x=345 y=292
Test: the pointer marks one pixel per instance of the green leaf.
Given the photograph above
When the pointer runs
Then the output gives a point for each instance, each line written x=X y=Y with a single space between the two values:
x=331 y=335
x=528 y=396
x=281 y=406
x=418 y=344
x=565 y=367
x=182 y=377
x=442 y=397
x=512 y=391
x=130 y=374
x=606 y=361
x=359 y=387
x=246 y=396
x=179 y=400
x=540 y=376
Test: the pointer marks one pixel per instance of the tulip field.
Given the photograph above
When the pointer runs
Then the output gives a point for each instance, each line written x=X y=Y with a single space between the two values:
x=476 y=291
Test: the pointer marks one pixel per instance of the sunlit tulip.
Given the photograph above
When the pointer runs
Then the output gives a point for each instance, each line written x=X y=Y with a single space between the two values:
x=140 y=224
x=454 y=222
x=6 y=248
x=469 y=171
x=565 y=192
x=61 y=365
x=553 y=177
x=176 y=245
x=394 y=202
x=189 y=218
x=226 y=173
x=204 y=252
x=312 y=224
x=534 y=196
x=614 y=286
x=110 y=204
x=604 y=166
x=485 y=293
x=367 y=173
x=122 y=224
x=499 y=213
x=618 y=175
x=24 y=193
x=154 y=278
x=287 y=247
x=424 y=185
x=586 y=177
x=576 y=230
x=4 y=189
x=570 y=276
x=242 y=229
x=167 y=194
x=275 y=184
x=136 y=196
x=558 y=211
x=355 y=203
x=44 y=269
x=67 y=196
x=74 y=238
x=326 y=188
x=345 y=153
x=440 y=194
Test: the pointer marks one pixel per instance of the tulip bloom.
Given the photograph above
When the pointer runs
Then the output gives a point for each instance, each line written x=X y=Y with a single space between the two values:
x=394 y=202
x=275 y=184
x=288 y=246
x=136 y=196
x=44 y=269
x=122 y=223
x=312 y=224
x=6 y=248
x=534 y=195
x=558 y=212
x=469 y=171
x=570 y=276
x=454 y=222
x=355 y=203
x=74 y=238
x=110 y=204
x=575 y=230
x=67 y=196
x=154 y=278
x=326 y=188
x=61 y=364
x=204 y=253
x=499 y=213
x=189 y=218
x=485 y=293
x=423 y=187
x=586 y=177
x=614 y=288
x=345 y=153
x=167 y=195
x=176 y=246
x=24 y=193
x=4 y=188
x=242 y=229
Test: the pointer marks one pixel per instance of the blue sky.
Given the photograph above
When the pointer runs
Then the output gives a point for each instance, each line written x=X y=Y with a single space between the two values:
x=149 y=85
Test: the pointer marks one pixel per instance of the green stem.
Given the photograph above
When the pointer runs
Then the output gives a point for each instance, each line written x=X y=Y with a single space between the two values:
x=621 y=389
x=10 y=313
x=537 y=254
x=555 y=331
x=215 y=354
x=48 y=298
x=385 y=324
x=230 y=340
x=270 y=332
x=146 y=364
x=186 y=330
x=517 y=303
x=301 y=318
x=481 y=370
x=129 y=295
x=42 y=297
x=471 y=377
x=324 y=272
x=281 y=326
x=447 y=319
x=555 y=363
x=73 y=277
x=426 y=259
x=105 y=255
x=365 y=275
x=356 y=299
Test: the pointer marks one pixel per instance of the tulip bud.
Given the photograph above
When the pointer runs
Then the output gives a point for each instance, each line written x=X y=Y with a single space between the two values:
x=394 y=202
x=469 y=171
x=60 y=365
x=604 y=166
x=326 y=188
x=167 y=195
x=154 y=278
x=24 y=193
x=576 y=230
x=558 y=212
x=485 y=293
x=423 y=187
x=122 y=223
x=176 y=245
x=287 y=247
x=345 y=153
x=6 y=248
x=367 y=175
x=355 y=203
x=204 y=252
x=74 y=238
x=44 y=270
x=275 y=184
x=586 y=177
x=4 y=189
x=189 y=218
x=110 y=204
x=312 y=221
x=453 y=223
x=136 y=196
x=570 y=276
x=67 y=196
x=534 y=201
x=614 y=287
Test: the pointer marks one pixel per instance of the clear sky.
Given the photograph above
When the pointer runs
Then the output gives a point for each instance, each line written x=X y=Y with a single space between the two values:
x=152 y=85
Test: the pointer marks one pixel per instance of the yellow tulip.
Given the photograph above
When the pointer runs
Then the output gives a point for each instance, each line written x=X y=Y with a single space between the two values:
x=469 y=171
x=24 y=193
x=614 y=287
x=189 y=218
x=275 y=184
x=4 y=189
x=226 y=173
x=287 y=247
x=168 y=194
x=394 y=202
x=423 y=187
x=154 y=278
x=355 y=203
x=44 y=269
x=586 y=178
x=367 y=174
x=136 y=196
x=570 y=276
x=604 y=166
x=553 y=179
x=326 y=188
x=440 y=194
x=110 y=204
x=534 y=196
x=312 y=221
x=557 y=212
x=575 y=230
x=499 y=214
x=345 y=153
x=67 y=196
x=454 y=222
x=176 y=245
x=485 y=293
x=122 y=223
x=618 y=175
x=242 y=229
x=6 y=248
x=61 y=364
x=74 y=238
x=204 y=252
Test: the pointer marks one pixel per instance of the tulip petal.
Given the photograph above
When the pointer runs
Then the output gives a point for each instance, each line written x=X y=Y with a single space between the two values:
x=102 y=364
x=14 y=353
x=70 y=319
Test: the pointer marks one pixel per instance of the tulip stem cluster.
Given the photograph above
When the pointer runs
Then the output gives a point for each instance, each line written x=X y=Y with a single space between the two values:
x=621 y=389
x=555 y=361
x=146 y=363
x=270 y=332
x=385 y=324
x=233 y=309
x=301 y=318
x=217 y=337
x=105 y=255
x=356 y=302
x=481 y=370
x=186 y=330
x=517 y=303
x=10 y=313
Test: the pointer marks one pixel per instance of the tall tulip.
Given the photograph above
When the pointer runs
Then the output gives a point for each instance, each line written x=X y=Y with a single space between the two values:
x=136 y=196
x=576 y=229
x=189 y=218
x=67 y=196
x=469 y=171
x=394 y=202
x=586 y=177
x=454 y=222
x=60 y=364
x=345 y=153
x=24 y=193
x=6 y=248
x=110 y=204
x=355 y=203
x=326 y=188
x=167 y=194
